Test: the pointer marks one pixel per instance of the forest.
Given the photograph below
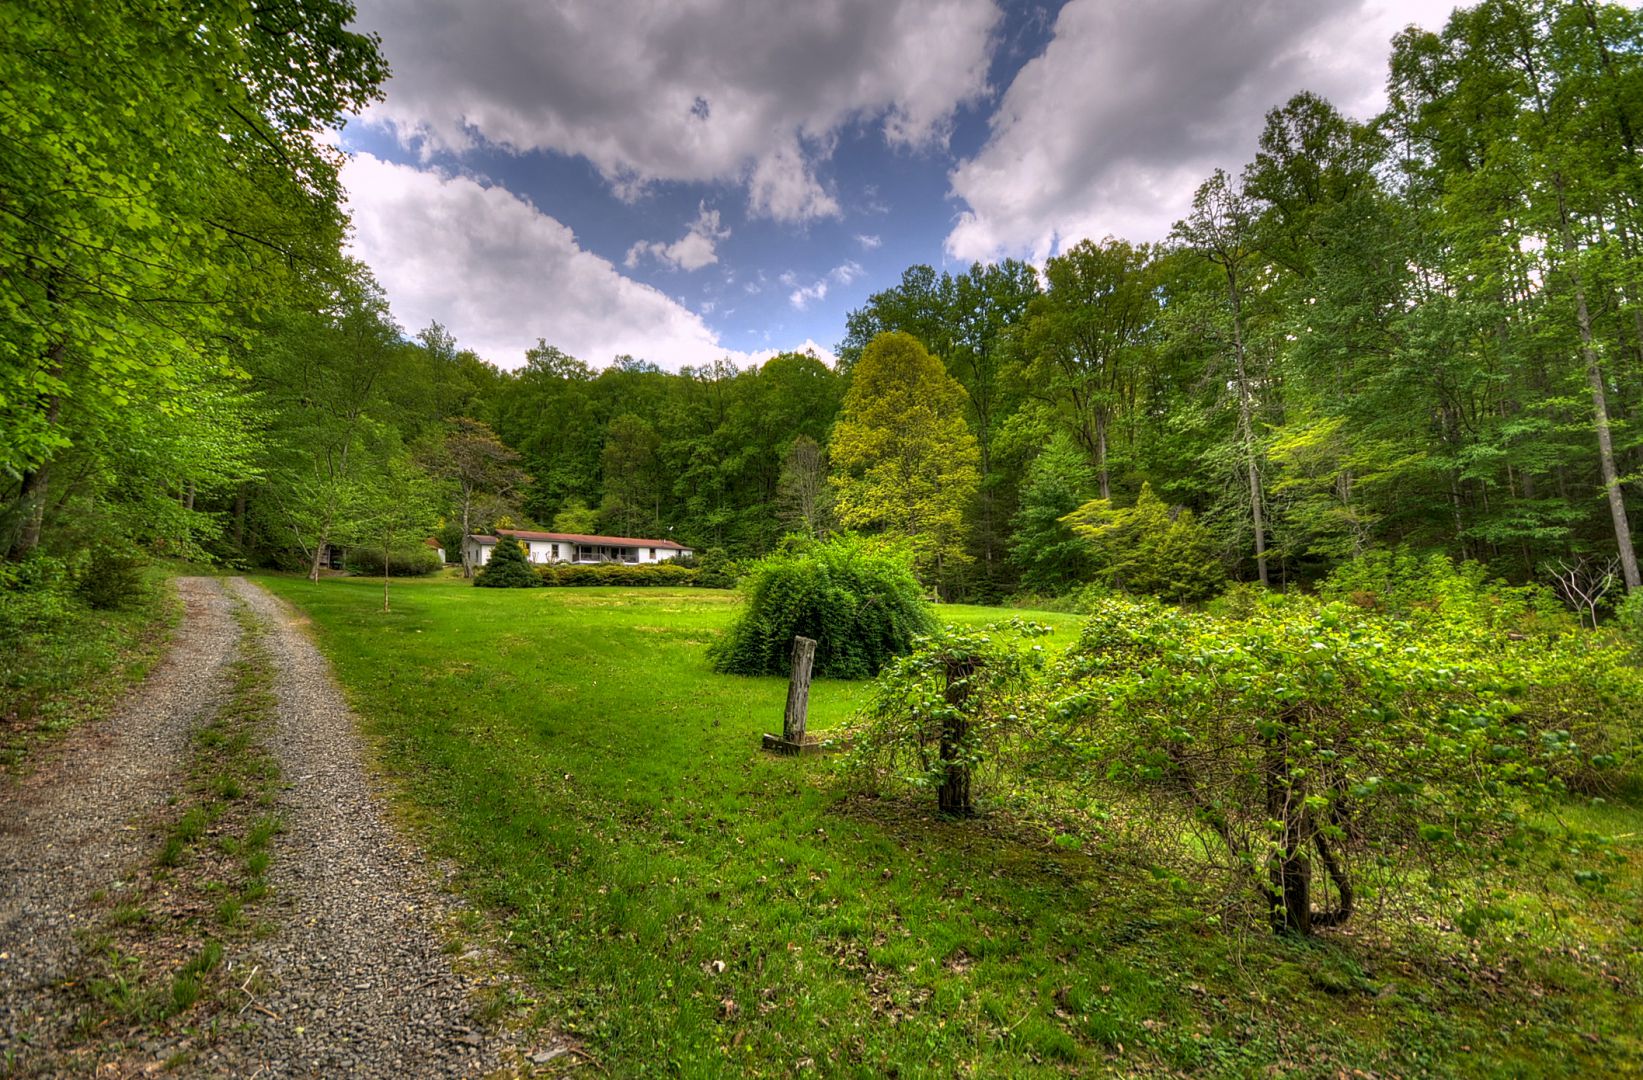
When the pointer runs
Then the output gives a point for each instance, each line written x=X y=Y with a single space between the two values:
x=1420 y=330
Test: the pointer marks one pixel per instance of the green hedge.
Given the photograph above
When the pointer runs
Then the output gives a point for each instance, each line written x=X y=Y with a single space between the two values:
x=631 y=576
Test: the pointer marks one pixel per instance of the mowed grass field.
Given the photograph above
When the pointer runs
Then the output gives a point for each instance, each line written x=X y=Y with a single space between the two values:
x=687 y=905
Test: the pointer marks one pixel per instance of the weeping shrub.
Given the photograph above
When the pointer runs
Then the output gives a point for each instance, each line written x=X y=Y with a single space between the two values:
x=859 y=601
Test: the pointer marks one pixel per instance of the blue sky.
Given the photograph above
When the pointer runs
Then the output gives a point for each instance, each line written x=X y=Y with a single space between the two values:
x=682 y=181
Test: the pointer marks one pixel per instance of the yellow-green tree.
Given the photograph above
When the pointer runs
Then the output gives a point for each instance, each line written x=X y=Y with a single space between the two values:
x=904 y=461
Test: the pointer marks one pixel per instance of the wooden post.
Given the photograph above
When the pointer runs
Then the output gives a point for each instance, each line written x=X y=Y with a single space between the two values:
x=793 y=740
x=798 y=690
x=954 y=794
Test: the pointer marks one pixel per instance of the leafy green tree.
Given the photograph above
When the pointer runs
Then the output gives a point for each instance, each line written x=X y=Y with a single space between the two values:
x=1148 y=550
x=966 y=321
x=472 y=460
x=395 y=506
x=1221 y=229
x=1051 y=556
x=803 y=498
x=576 y=517
x=1087 y=339
x=904 y=461
x=630 y=468
x=154 y=198
x=321 y=375
x=546 y=411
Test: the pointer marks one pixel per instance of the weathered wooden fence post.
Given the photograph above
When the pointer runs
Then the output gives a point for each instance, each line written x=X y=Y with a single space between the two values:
x=954 y=794
x=798 y=690
x=793 y=739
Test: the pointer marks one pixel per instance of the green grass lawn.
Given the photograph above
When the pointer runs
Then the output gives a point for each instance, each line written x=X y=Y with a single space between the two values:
x=689 y=905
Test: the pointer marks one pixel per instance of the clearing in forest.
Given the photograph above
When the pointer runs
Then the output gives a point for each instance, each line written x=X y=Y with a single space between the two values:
x=686 y=904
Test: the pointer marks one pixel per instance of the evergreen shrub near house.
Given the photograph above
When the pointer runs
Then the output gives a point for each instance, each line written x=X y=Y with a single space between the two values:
x=509 y=568
x=625 y=575
x=858 y=600
x=417 y=561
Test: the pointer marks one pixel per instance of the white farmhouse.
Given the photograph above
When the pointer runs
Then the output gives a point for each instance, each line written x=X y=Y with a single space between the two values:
x=551 y=547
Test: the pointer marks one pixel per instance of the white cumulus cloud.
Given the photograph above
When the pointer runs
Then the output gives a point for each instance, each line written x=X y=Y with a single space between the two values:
x=711 y=90
x=499 y=273
x=1134 y=102
x=803 y=296
x=697 y=248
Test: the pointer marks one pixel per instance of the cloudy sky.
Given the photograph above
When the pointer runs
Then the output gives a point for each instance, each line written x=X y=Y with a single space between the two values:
x=683 y=180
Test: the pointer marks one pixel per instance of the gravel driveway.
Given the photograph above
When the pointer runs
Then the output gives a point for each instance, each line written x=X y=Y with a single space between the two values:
x=355 y=982
x=78 y=821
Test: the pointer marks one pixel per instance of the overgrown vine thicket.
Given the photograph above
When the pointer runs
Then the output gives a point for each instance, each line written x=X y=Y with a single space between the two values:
x=1416 y=726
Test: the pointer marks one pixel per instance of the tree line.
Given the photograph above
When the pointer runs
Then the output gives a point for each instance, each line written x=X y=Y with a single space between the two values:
x=1421 y=329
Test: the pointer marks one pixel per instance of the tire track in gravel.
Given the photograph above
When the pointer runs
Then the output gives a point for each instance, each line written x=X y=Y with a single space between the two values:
x=80 y=819
x=359 y=984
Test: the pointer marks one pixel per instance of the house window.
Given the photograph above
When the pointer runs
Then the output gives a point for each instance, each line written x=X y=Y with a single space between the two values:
x=652 y=553
x=555 y=552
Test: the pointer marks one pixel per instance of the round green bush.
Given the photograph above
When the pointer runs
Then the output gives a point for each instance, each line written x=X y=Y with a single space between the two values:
x=859 y=601
x=509 y=568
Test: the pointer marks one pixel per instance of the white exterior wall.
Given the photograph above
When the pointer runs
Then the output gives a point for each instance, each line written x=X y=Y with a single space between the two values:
x=541 y=551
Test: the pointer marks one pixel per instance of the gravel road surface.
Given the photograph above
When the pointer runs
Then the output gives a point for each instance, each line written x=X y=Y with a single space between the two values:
x=353 y=980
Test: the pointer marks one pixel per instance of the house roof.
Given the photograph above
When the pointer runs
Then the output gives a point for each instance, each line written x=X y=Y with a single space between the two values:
x=583 y=538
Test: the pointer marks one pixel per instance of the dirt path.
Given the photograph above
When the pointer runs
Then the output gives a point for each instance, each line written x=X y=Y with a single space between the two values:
x=352 y=980
x=78 y=821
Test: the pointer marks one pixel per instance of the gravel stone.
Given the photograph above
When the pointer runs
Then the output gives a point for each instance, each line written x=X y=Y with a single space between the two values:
x=76 y=822
x=357 y=950
x=354 y=980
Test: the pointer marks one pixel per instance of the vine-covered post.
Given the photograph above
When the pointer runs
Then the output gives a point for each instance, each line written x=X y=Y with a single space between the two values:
x=954 y=795
x=793 y=739
x=798 y=690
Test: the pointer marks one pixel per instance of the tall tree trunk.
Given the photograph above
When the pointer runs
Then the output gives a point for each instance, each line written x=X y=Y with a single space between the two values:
x=36 y=482
x=32 y=498
x=1246 y=426
x=1101 y=454
x=239 y=519
x=1600 y=405
x=467 y=561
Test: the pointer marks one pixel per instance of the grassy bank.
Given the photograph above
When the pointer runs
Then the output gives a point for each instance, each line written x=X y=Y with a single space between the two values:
x=688 y=905
x=77 y=666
